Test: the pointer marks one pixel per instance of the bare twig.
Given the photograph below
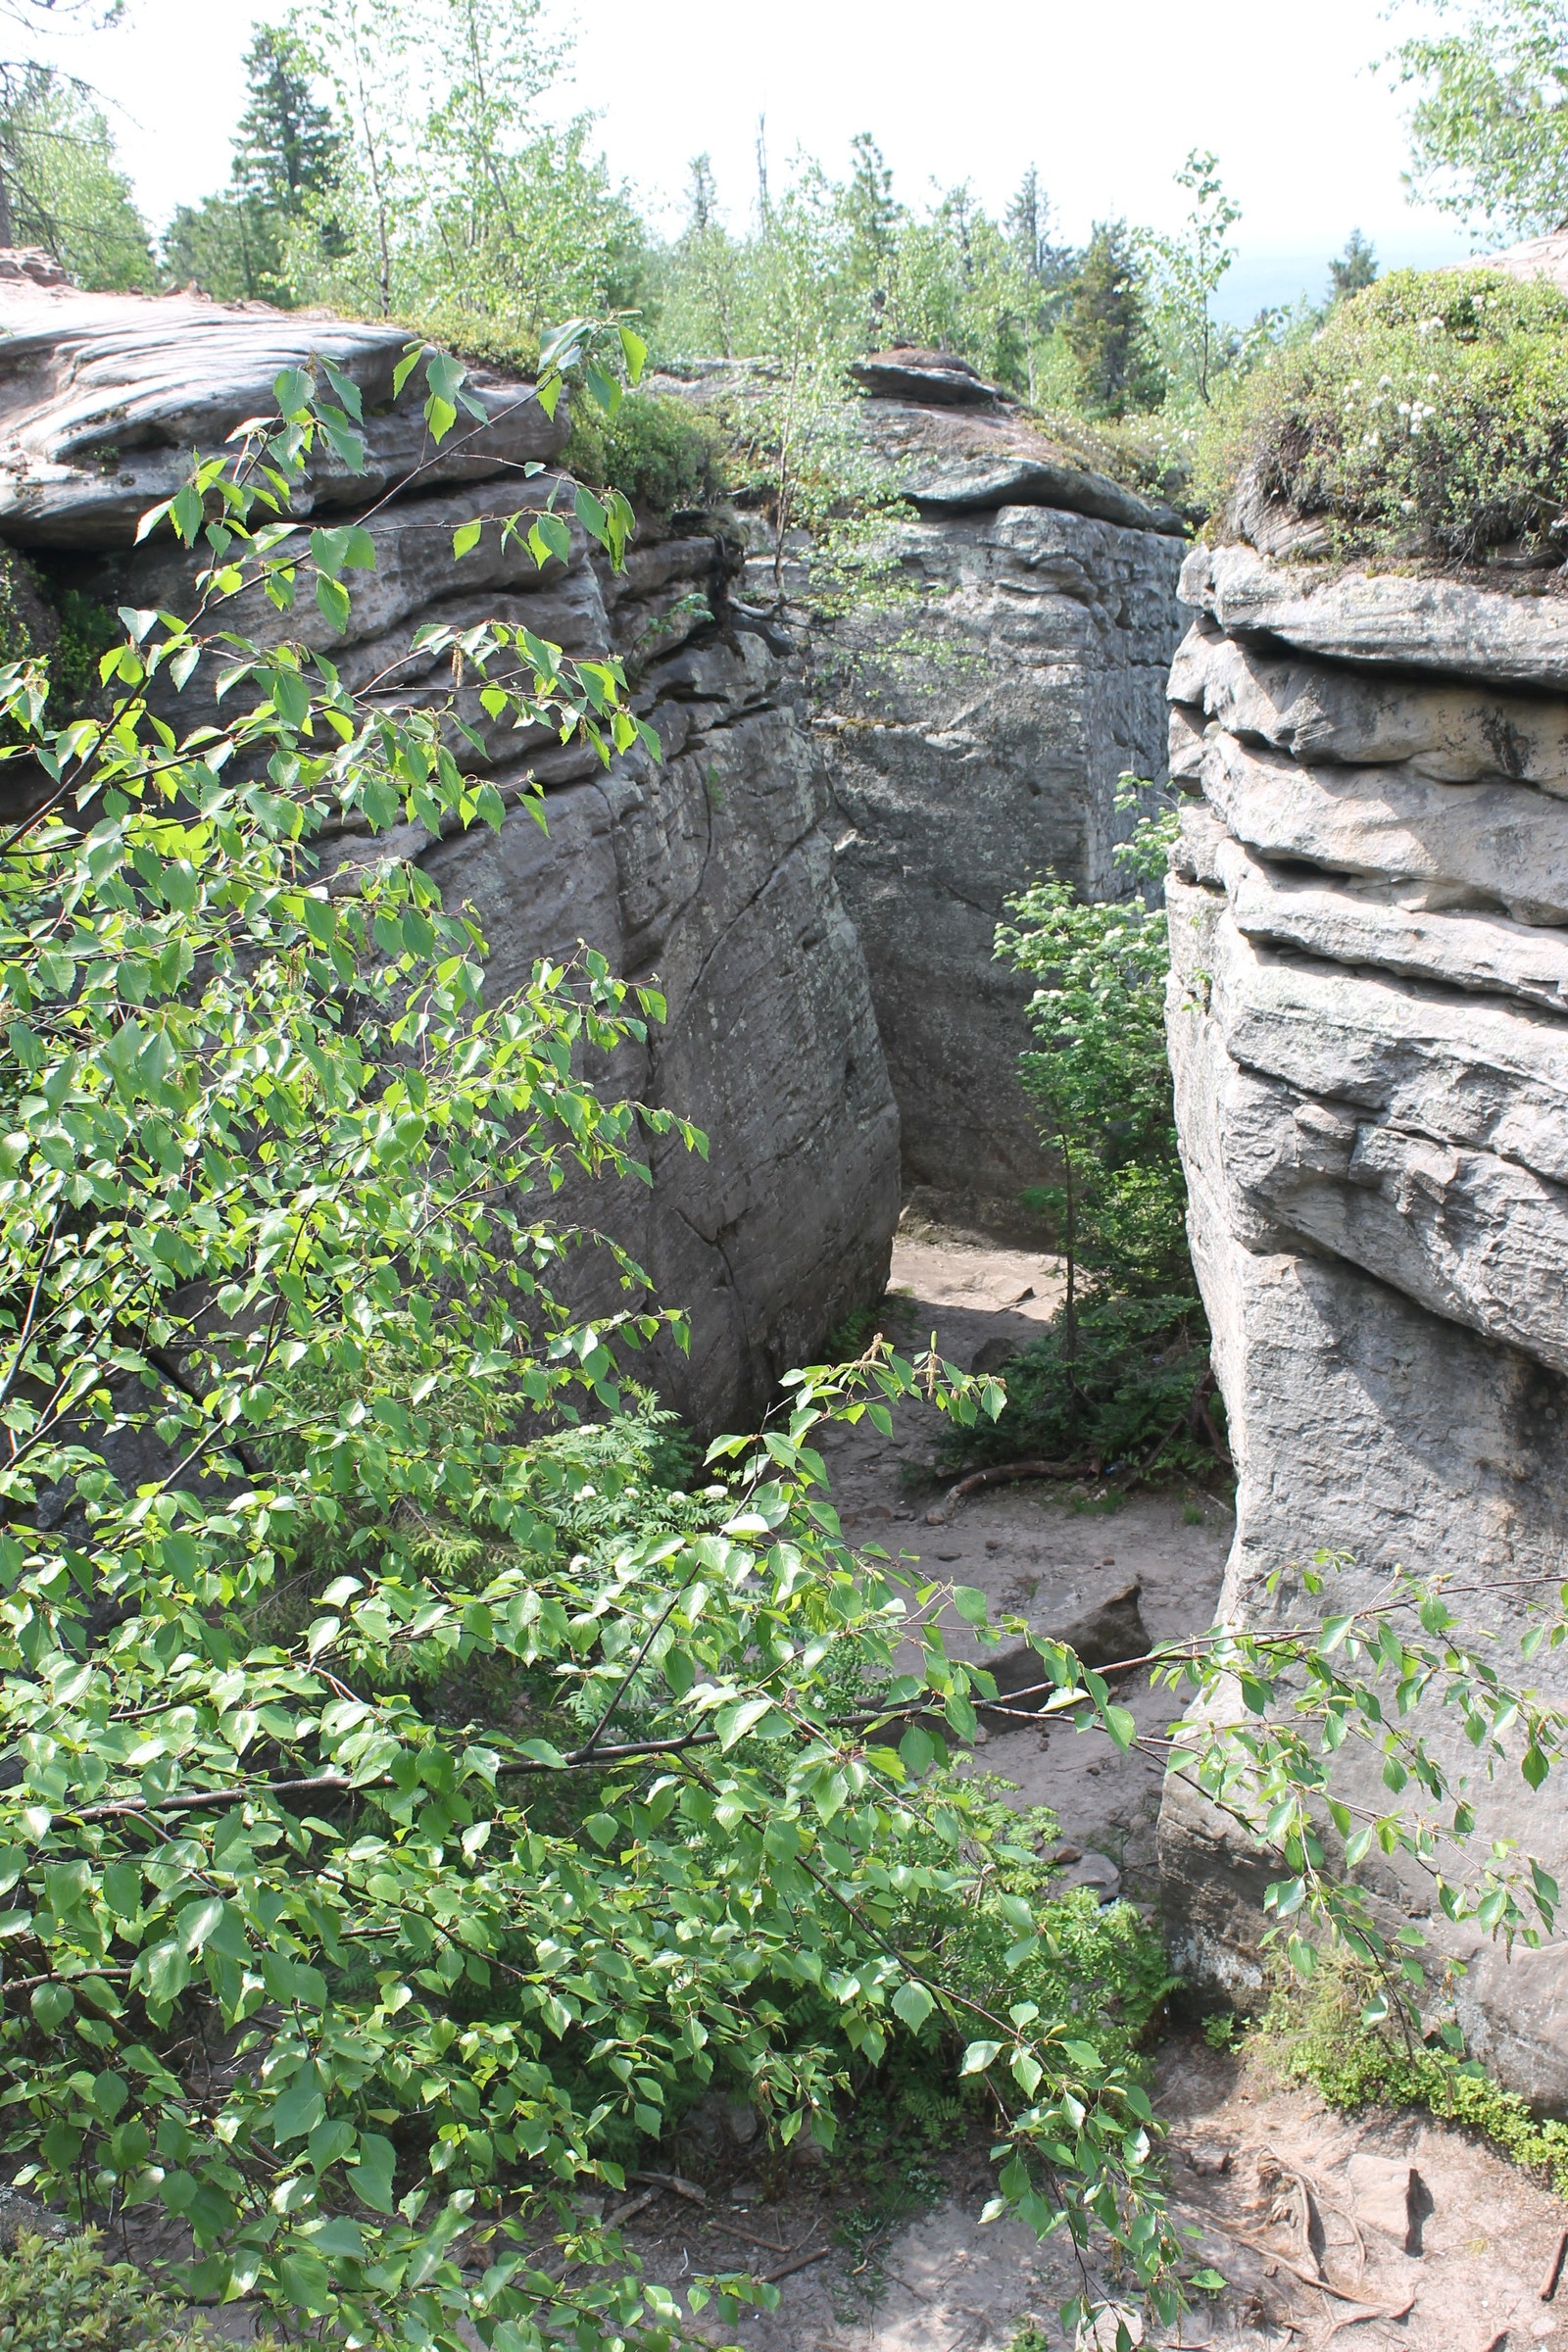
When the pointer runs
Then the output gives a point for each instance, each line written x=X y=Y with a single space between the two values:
x=799 y=2263
x=1548 y=2284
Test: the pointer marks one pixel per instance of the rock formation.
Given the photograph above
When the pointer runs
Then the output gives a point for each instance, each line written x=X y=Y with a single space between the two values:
x=711 y=873
x=1369 y=1028
x=976 y=729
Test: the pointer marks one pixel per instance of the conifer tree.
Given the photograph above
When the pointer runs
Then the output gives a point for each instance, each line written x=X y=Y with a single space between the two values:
x=1355 y=268
x=287 y=146
x=286 y=152
x=1107 y=326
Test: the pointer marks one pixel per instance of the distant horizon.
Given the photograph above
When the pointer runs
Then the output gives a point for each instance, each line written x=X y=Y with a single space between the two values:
x=698 y=80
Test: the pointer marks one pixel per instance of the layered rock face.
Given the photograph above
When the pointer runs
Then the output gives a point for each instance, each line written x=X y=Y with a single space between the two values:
x=1369 y=1029
x=976 y=729
x=710 y=873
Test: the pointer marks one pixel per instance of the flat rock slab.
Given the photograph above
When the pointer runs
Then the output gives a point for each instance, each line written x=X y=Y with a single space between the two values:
x=103 y=397
x=1384 y=2195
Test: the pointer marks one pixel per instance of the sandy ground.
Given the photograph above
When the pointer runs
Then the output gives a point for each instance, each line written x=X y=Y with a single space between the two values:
x=1421 y=2239
x=1048 y=1556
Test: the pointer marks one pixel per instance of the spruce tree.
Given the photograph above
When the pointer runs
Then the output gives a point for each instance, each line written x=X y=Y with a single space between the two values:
x=286 y=151
x=1107 y=326
x=286 y=145
x=1355 y=268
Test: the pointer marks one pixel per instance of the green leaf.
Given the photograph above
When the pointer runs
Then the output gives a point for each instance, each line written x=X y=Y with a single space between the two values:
x=913 y=2004
x=465 y=537
x=292 y=391
x=334 y=600
x=740 y=1716
x=298 y=2109
x=978 y=2056
x=51 y=2005
x=373 y=2175
x=635 y=353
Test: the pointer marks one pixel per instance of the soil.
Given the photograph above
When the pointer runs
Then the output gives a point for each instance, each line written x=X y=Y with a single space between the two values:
x=1051 y=1556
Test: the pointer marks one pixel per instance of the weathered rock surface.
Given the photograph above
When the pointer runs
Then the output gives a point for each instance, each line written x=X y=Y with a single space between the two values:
x=1418 y=622
x=710 y=873
x=976 y=714
x=1369 y=1028
x=976 y=734
x=104 y=396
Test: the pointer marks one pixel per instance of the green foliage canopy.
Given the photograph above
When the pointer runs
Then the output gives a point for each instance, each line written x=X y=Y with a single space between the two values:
x=1428 y=418
x=1489 y=133
x=60 y=185
x=456 y=202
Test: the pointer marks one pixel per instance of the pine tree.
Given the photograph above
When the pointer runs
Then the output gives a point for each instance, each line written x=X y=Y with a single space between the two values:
x=1355 y=268
x=1107 y=326
x=286 y=147
x=871 y=214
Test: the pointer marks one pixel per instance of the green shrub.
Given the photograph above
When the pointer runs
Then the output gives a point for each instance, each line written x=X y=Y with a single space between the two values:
x=1118 y=1379
x=660 y=453
x=60 y=2295
x=1319 y=2033
x=1121 y=1403
x=1428 y=418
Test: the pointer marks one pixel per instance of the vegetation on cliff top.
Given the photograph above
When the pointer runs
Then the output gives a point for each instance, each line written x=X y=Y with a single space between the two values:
x=1427 y=418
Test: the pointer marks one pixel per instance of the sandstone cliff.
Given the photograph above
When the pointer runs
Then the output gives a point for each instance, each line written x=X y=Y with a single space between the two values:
x=975 y=735
x=1369 y=1028
x=710 y=872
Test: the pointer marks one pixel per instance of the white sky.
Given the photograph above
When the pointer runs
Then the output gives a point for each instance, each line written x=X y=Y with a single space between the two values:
x=1104 y=96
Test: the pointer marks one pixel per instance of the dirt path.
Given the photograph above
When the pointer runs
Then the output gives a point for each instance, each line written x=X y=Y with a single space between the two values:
x=1059 y=1560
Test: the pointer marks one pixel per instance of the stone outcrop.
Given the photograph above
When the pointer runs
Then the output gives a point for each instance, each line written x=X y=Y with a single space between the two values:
x=1369 y=1029
x=976 y=725
x=710 y=873
x=978 y=696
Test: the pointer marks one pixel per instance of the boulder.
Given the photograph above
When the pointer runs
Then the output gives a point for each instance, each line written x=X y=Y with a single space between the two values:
x=985 y=458
x=907 y=373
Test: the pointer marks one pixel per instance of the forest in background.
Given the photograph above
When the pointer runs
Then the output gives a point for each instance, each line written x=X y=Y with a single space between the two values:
x=401 y=161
